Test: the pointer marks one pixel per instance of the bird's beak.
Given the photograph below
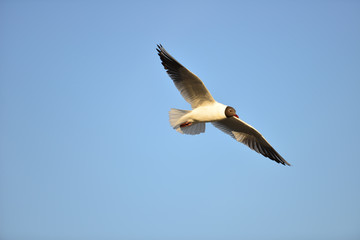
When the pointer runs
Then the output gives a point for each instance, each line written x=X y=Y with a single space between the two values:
x=236 y=116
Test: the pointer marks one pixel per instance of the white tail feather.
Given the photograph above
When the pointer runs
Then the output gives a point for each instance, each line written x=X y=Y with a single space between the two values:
x=177 y=117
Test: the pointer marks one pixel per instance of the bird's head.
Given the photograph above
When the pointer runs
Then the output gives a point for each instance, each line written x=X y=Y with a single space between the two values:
x=230 y=112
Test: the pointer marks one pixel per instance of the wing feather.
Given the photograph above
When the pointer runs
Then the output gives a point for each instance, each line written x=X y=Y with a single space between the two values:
x=189 y=85
x=249 y=136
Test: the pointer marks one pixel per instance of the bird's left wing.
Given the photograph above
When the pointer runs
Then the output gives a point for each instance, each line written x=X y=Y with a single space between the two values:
x=249 y=136
x=189 y=85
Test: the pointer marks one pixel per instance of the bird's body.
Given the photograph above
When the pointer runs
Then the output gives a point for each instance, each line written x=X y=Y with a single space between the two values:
x=206 y=109
x=205 y=113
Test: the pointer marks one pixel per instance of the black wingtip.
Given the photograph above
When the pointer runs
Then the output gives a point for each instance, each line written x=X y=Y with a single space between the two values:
x=159 y=47
x=271 y=153
x=285 y=163
x=169 y=63
x=281 y=160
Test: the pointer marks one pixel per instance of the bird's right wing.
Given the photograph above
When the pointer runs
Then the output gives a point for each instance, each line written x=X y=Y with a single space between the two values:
x=189 y=85
x=249 y=136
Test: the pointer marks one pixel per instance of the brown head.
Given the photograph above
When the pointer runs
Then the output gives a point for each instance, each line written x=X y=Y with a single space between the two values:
x=230 y=112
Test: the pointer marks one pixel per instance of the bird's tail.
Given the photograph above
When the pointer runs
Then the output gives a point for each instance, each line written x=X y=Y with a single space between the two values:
x=179 y=122
x=175 y=115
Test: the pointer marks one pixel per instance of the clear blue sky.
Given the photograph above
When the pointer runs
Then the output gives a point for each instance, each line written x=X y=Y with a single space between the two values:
x=86 y=150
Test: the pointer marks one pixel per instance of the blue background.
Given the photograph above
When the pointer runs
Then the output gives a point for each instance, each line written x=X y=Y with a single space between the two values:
x=86 y=150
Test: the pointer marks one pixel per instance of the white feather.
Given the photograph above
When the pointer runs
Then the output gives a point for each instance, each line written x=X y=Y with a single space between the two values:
x=176 y=116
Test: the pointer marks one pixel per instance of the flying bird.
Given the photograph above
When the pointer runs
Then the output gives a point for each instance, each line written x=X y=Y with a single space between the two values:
x=206 y=109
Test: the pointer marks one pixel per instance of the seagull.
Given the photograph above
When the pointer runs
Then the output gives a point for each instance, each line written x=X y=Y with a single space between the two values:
x=206 y=109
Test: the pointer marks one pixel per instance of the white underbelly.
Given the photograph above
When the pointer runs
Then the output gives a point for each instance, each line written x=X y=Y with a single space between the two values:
x=209 y=113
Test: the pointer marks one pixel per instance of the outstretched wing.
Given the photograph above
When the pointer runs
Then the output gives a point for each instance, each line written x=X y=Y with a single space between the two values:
x=249 y=136
x=190 y=86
